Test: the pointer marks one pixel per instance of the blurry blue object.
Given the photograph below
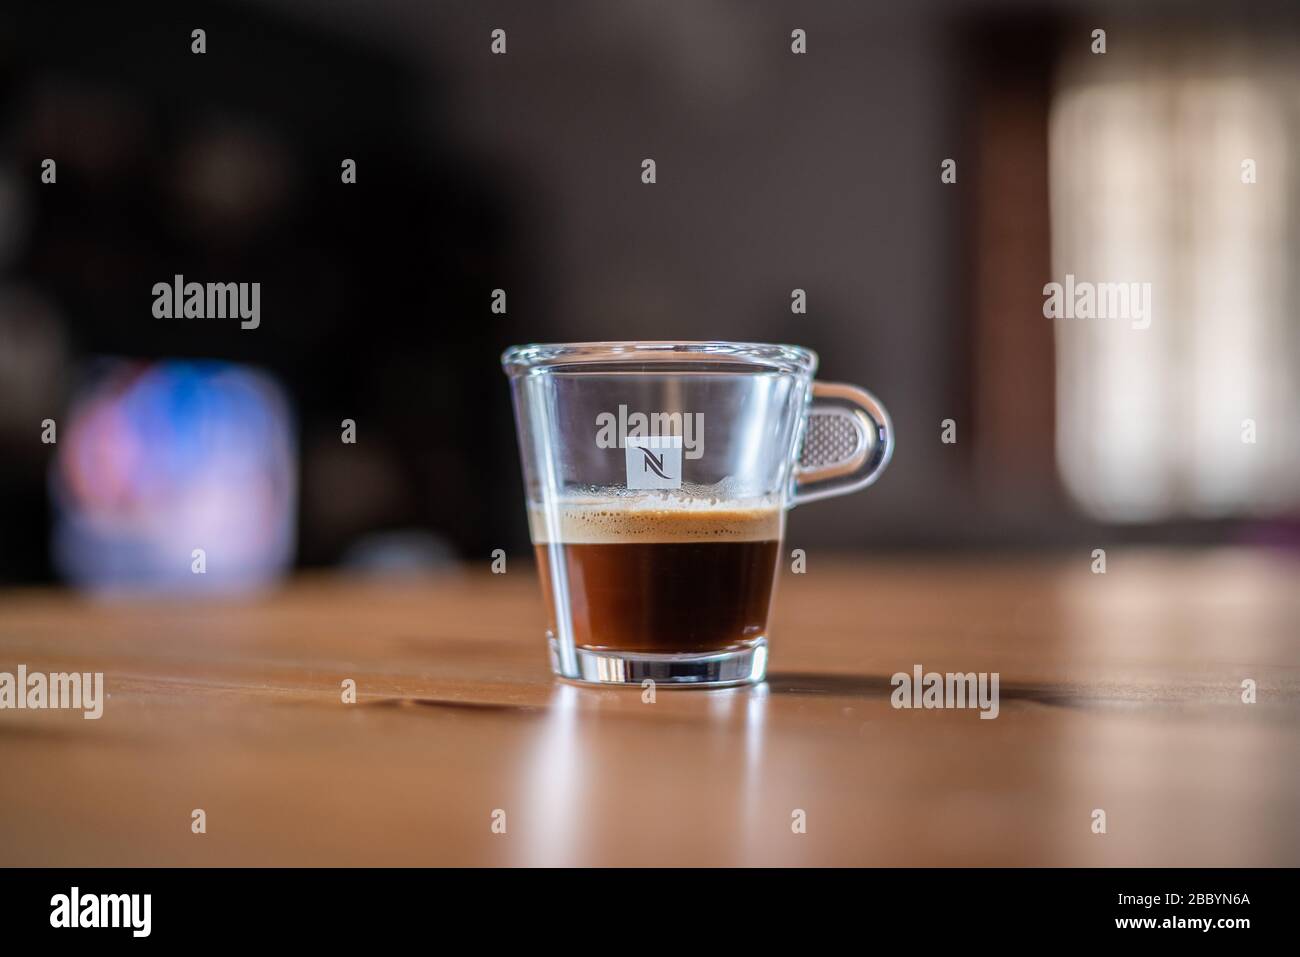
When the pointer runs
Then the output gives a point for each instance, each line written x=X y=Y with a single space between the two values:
x=398 y=554
x=175 y=476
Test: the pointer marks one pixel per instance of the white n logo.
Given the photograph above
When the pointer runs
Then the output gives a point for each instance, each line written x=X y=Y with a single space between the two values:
x=654 y=461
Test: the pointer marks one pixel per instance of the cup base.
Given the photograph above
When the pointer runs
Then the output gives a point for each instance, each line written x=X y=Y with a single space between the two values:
x=720 y=669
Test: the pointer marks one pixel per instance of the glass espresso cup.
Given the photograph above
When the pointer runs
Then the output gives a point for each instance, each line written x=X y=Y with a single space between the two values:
x=658 y=476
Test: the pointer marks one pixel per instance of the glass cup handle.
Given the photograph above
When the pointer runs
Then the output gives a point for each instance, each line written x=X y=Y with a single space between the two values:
x=847 y=442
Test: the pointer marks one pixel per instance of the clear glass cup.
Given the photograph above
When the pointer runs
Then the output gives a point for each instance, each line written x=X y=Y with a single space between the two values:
x=657 y=476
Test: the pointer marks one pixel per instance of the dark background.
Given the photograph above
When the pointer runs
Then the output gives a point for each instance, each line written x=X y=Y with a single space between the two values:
x=522 y=172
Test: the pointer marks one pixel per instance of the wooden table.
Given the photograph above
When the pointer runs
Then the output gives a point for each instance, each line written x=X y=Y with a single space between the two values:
x=1119 y=692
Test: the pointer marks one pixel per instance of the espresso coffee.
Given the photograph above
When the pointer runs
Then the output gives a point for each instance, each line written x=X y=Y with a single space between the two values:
x=660 y=580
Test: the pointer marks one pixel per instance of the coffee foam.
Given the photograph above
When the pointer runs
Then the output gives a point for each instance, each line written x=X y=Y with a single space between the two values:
x=611 y=522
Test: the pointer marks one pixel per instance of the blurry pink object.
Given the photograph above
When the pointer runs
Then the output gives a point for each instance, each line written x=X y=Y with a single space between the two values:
x=175 y=476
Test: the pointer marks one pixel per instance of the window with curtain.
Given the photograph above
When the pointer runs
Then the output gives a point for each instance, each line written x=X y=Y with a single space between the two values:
x=1152 y=149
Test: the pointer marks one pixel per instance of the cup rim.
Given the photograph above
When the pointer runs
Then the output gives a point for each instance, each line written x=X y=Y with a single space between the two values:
x=535 y=356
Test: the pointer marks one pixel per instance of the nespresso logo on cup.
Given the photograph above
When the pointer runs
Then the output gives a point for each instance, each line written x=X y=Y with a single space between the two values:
x=654 y=444
x=654 y=461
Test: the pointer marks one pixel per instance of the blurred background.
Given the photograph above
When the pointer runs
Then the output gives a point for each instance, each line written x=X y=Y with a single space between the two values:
x=521 y=172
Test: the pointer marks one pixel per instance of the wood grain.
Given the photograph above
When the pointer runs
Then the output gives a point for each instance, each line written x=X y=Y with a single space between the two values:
x=1119 y=691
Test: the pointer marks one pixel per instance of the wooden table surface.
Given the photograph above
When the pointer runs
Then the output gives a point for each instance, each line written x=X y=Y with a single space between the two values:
x=1119 y=692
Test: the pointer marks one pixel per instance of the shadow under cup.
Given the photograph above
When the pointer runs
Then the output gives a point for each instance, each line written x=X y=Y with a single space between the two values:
x=658 y=476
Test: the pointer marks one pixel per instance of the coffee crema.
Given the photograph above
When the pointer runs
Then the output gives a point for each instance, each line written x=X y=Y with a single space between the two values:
x=652 y=579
